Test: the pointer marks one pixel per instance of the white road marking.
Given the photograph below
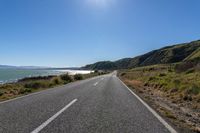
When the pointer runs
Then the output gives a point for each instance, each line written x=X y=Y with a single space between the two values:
x=96 y=84
x=43 y=125
x=42 y=91
x=171 y=129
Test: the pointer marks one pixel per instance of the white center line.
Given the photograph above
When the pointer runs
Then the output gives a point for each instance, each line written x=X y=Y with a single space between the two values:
x=43 y=125
x=96 y=84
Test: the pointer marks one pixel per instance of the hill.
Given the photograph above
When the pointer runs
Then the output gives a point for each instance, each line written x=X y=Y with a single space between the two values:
x=103 y=65
x=195 y=55
x=6 y=66
x=165 y=55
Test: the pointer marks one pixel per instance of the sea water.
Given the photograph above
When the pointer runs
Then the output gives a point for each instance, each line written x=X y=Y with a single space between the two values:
x=13 y=75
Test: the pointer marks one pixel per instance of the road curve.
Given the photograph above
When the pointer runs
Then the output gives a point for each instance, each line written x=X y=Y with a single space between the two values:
x=98 y=105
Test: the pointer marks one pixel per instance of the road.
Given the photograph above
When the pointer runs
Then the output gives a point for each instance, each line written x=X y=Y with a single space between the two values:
x=98 y=105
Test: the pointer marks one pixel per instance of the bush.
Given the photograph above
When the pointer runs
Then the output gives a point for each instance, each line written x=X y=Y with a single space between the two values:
x=36 y=78
x=123 y=74
x=170 y=70
x=177 y=83
x=184 y=66
x=1 y=92
x=56 y=81
x=37 y=85
x=151 y=78
x=25 y=90
x=162 y=74
x=78 y=77
x=194 y=90
x=190 y=71
x=96 y=71
x=66 y=77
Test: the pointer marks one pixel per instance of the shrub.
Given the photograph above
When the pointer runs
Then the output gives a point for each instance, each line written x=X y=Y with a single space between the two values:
x=151 y=78
x=1 y=92
x=96 y=71
x=123 y=74
x=66 y=77
x=36 y=78
x=170 y=70
x=37 y=85
x=162 y=74
x=78 y=77
x=34 y=85
x=194 y=90
x=56 y=81
x=184 y=66
x=176 y=83
x=190 y=71
x=25 y=90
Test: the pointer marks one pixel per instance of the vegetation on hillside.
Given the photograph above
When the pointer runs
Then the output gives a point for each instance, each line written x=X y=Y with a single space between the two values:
x=194 y=56
x=103 y=65
x=170 y=54
x=169 y=78
x=175 y=90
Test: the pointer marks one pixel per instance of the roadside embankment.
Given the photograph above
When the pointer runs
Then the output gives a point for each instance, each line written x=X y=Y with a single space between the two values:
x=173 y=90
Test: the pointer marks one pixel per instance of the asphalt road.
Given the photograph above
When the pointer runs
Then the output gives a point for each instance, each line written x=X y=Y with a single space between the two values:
x=97 y=105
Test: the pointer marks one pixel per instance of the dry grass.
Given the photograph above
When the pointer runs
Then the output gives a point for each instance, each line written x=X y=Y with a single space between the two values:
x=176 y=95
x=29 y=85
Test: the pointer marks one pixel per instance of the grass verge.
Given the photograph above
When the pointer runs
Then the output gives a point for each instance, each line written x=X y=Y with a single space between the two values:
x=173 y=90
x=34 y=84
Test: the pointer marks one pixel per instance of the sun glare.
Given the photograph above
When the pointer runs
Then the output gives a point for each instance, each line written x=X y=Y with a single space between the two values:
x=100 y=3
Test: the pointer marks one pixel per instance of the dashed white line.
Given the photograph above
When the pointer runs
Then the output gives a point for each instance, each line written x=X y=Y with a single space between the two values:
x=43 y=125
x=95 y=84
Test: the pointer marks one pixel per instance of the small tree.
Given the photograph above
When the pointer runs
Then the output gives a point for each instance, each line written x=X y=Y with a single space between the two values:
x=78 y=77
x=66 y=77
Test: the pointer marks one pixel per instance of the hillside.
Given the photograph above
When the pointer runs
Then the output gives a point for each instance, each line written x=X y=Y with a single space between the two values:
x=6 y=66
x=195 y=55
x=165 y=55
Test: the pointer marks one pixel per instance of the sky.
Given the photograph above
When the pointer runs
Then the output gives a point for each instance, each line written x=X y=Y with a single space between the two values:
x=71 y=33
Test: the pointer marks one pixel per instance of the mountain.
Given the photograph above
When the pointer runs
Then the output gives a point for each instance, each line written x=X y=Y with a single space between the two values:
x=169 y=54
x=6 y=66
x=21 y=67
x=103 y=65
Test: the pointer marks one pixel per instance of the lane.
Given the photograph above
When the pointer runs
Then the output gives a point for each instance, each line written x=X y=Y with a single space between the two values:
x=103 y=104
x=25 y=114
x=43 y=125
x=109 y=108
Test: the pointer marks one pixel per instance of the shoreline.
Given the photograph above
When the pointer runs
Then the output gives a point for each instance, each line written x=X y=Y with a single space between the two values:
x=49 y=72
x=30 y=85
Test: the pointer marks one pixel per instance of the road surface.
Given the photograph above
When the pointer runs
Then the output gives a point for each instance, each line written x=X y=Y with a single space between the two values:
x=98 y=105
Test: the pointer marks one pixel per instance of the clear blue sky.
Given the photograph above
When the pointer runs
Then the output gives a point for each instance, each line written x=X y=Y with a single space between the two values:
x=77 y=32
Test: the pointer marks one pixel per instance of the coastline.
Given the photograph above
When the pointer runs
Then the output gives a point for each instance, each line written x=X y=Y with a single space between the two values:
x=19 y=74
x=29 y=85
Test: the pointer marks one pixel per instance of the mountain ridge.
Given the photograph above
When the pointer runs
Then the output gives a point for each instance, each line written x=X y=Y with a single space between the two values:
x=168 y=54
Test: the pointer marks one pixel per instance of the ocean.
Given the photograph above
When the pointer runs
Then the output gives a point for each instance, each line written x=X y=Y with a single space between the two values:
x=13 y=75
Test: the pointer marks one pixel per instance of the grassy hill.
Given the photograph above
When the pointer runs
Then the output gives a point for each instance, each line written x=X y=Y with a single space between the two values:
x=170 y=54
x=103 y=65
x=194 y=56
x=169 y=80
